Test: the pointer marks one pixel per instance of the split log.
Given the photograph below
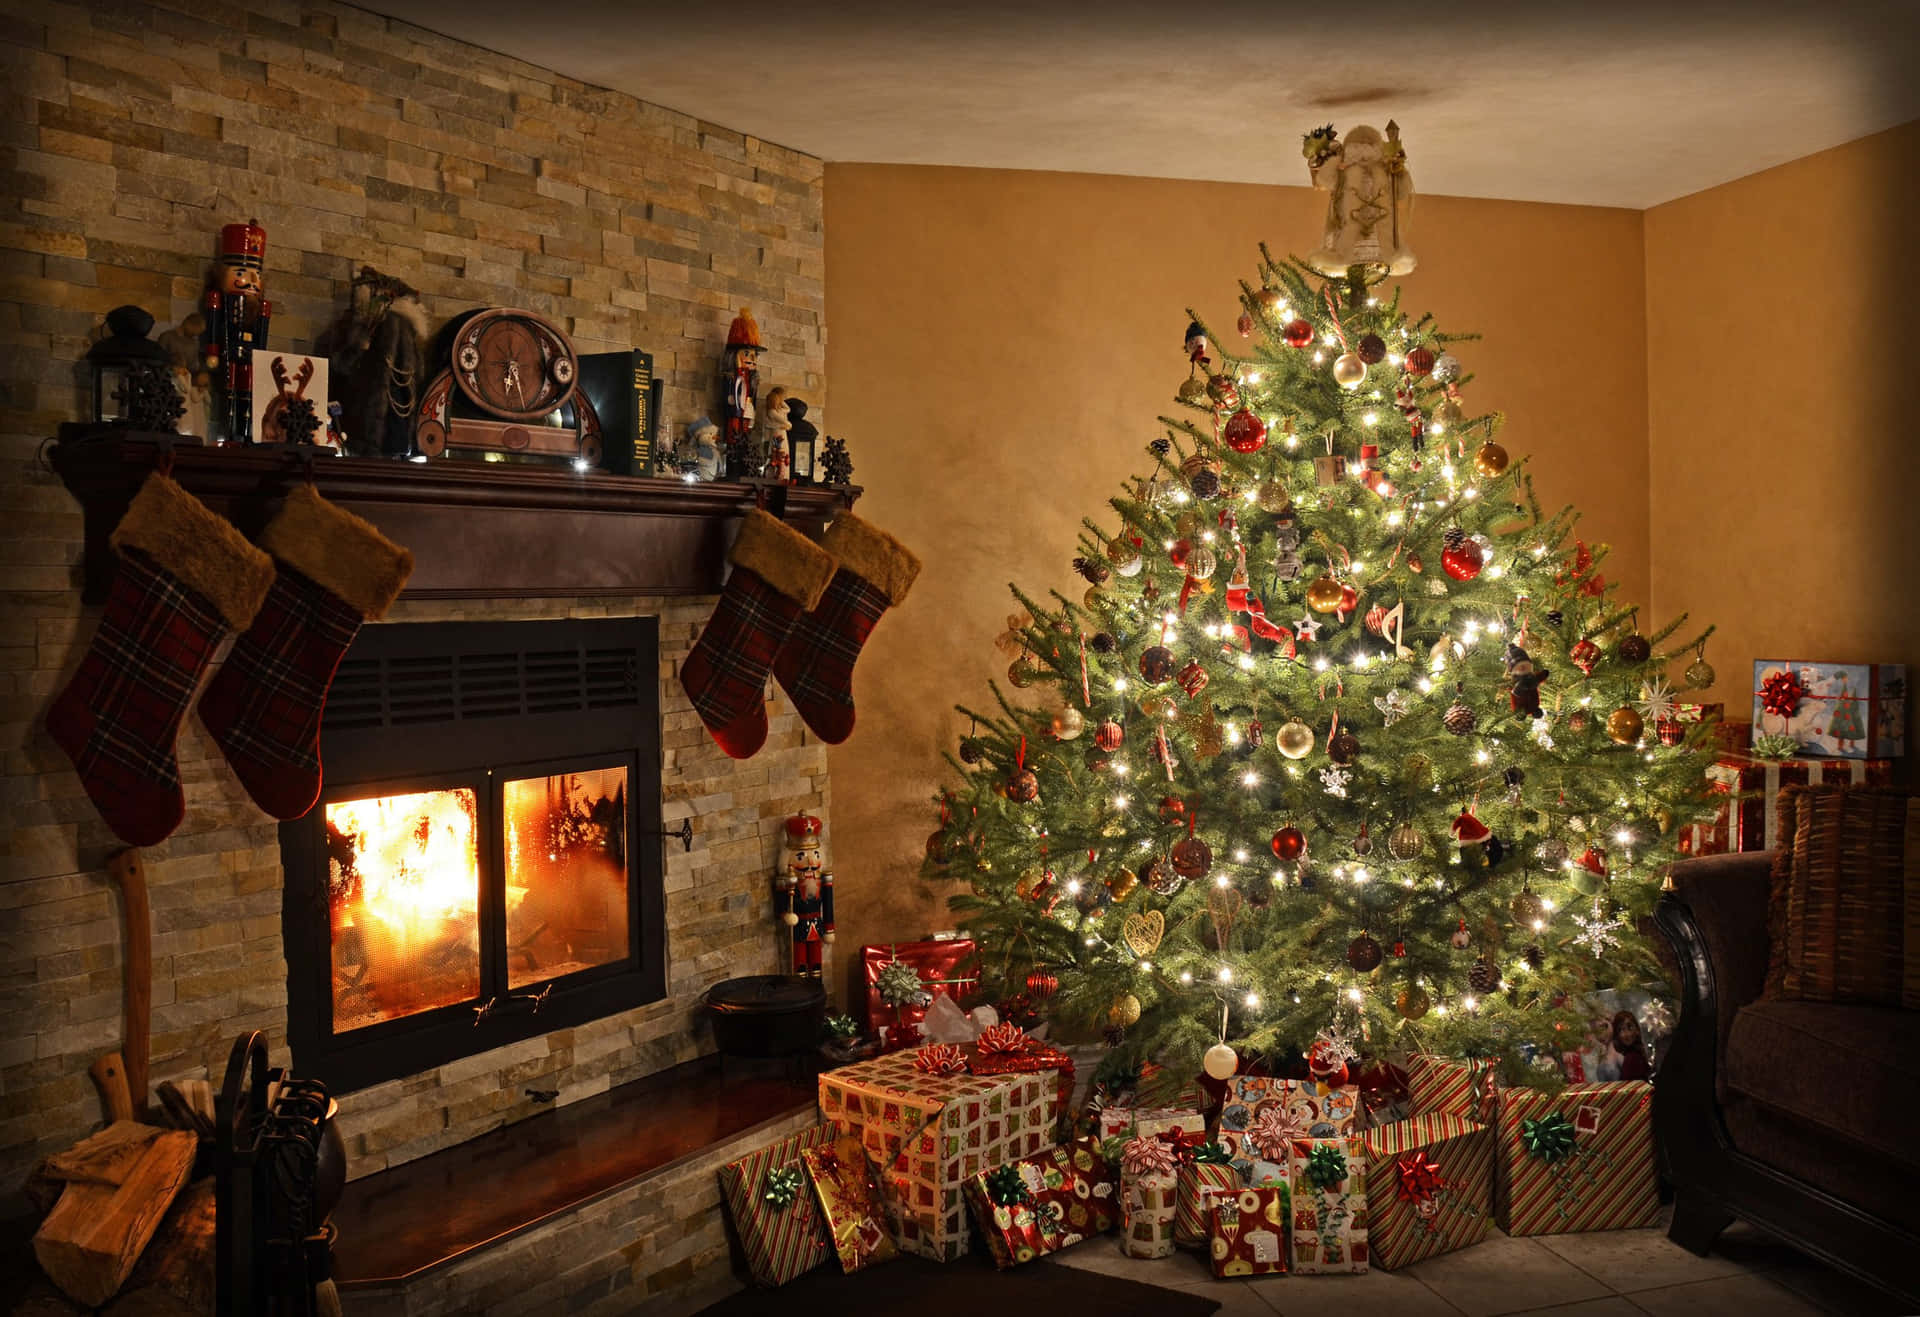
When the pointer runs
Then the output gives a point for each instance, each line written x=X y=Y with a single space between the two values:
x=93 y=1237
x=102 y=1158
x=175 y=1274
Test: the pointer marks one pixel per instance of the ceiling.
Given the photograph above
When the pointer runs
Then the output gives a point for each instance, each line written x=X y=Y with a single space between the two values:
x=1628 y=103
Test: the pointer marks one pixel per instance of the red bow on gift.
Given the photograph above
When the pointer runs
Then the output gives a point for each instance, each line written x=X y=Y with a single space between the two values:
x=1781 y=693
x=1003 y=1038
x=1419 y=1178
x=1183 y=1143
x=941 y=1059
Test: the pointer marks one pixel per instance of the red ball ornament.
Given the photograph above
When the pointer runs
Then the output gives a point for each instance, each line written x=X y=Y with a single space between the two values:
x=1245 y=432
x=1349 y=598
x=1042 y=983
x=1109 y=735
x=1172 y=808
x=1289 y=843
x=1420 y=361
x=1181 y=550
x=1192 y=858
x=1373 y=349
x=1244 y=324
x=1585 y=655
x=1462 y=561
x=1298 y=334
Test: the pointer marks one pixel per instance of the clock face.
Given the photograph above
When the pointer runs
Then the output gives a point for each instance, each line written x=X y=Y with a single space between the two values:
x=514 y=364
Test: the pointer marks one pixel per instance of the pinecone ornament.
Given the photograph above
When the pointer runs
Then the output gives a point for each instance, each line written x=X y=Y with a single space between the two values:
x=1460 y=719
x=1483 y=977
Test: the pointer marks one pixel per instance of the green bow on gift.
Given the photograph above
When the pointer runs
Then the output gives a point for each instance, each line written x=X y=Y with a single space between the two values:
x=1326 y=1165
x=1550 y=1138
x=781 y=1187
x=1006 y=1186
x=1212 y=1154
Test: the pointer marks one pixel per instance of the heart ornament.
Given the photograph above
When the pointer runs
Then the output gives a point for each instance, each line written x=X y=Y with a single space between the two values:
x=1142 y=932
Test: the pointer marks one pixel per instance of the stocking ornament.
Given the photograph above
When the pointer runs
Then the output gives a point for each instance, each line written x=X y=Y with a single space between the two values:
x=778 y=574
x=872 y=572
x=186 y=578
x=263 y=707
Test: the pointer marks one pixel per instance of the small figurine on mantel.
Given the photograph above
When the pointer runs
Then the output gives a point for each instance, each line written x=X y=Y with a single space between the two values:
x=1370 y=209
x=774 y=425
x=237 y=313
x=699 y=456
x=740 y=383
x=803 y=894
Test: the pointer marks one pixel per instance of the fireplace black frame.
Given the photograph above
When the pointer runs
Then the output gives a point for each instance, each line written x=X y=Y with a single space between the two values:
x=426 y=706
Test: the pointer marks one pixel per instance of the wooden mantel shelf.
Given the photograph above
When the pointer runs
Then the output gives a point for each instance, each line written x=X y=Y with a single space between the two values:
x=476 y=529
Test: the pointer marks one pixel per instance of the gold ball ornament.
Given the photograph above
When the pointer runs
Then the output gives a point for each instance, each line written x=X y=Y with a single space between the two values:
x=1094 y=597
x=1193 y=391
x=1449 y=415
x=1121 y=883
x=1349 y=372
x=1270 y=299
x=1405 y=842
x=1294 y=739
x=1624 y=725
x=1019 y=675
x=1324 y=595
x=1491 y=460
x=1067 y=724
x=1124 y=1011
x=1413 y=1002
x=1124 y=554
x=1202 y=563
x=1528 y=909
x=1220 y=1062
x=1272 y=496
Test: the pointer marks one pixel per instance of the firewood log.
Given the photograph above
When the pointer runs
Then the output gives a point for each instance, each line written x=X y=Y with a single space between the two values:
x=94 y=1235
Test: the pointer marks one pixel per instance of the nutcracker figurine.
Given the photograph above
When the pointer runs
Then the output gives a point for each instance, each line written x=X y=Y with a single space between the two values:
x=804 y=894
x=237 y=315
x=740 y=379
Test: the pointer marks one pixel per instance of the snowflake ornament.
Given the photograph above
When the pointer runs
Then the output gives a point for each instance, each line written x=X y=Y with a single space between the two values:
x=1393 y=706
x=1337 y=1044
x=1543 y=733
x=1656 y=699
x=1597 y=932
x=1436 y=588
x=1335 y=780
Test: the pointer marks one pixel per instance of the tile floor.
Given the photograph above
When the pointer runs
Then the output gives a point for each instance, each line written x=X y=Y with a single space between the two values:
x=1619 y=1273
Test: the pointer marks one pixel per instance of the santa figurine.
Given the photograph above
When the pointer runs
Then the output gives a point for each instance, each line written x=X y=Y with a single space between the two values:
x=804 y=894
x=1370 y=205
x=740 y=381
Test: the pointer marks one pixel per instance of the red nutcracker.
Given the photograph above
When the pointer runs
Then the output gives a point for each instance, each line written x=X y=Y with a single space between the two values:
x=740 y=379
x=805 y=894
x=237 y=313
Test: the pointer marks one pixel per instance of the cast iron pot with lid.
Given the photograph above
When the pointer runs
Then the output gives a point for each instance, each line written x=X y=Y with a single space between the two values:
x=767 y=1015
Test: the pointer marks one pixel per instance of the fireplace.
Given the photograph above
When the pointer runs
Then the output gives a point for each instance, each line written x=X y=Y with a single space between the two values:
x=484 y=863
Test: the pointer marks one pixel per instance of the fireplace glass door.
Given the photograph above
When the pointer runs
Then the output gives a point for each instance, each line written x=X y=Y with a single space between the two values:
x=566 y=872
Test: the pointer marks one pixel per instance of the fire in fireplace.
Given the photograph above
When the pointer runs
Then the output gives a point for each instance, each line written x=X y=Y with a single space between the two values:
x=484 y=863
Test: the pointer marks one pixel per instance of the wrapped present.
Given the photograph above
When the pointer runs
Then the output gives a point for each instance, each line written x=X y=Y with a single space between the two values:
x=929 y=1133
x=1429 y=1187
x=1043 y=1204
x=1148 y=1197
x=1175 y=1124
x=1247 y=1232
x=1749 y=815
x=775 y=1211
x=1384 y=1095
x=1200 y=1178
x=1006 y=1049
x=1443 y=1086
x=1835 y=710
x=1328 y=1178
x=1260 y=1115
x=944 y=968
x=1581 y=1159
x=850 y=1200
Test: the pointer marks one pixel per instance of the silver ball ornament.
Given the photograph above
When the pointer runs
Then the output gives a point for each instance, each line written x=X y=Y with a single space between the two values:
x=1446 y=368
x=1220 y=1062
x=1294 y=739
x=1349 y=372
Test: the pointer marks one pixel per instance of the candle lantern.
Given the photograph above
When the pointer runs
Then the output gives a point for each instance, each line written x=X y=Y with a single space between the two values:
x=132 y=375
x=802 y=440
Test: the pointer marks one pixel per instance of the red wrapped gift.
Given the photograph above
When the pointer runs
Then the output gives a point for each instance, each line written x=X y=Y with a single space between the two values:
x=1044 y=1203
x=945 y=968
x=1749 y=820
x=1006 y=1049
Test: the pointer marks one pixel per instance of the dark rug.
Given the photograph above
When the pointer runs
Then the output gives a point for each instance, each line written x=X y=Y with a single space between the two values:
x=916 y=1287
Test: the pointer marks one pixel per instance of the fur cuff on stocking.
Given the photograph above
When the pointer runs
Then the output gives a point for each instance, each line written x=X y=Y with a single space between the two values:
x=872 y=555
x=197 y=547
x=782 y=557
x=339 y=552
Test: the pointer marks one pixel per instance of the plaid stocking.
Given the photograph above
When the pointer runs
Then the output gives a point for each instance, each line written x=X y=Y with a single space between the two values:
x=264 y=705
x=815 y=667
x=186 y=577
x=778 y=573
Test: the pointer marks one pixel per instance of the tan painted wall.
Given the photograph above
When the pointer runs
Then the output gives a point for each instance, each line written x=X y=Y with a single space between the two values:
x=1001 y=344
x=1781 y=410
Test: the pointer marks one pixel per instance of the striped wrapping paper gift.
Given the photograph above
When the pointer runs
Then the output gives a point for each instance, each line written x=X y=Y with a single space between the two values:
x=1197 y=1184
x=780 y=1242
x=1607 y=1183
x=1416 y=1215
x=1440 y=1086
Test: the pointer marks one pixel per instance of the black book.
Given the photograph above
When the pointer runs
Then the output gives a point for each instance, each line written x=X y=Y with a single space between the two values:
x=621 y=387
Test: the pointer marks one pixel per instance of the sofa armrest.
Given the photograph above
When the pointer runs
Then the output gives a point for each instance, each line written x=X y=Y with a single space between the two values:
x=1727 y=896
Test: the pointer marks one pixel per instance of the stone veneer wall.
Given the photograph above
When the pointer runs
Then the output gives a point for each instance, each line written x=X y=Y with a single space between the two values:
x=129 y=133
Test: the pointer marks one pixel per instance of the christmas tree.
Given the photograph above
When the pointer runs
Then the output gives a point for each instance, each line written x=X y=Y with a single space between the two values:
x=1346 y=747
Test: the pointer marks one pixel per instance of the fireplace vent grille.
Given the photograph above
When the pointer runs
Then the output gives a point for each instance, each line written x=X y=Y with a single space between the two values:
x=437 y=688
